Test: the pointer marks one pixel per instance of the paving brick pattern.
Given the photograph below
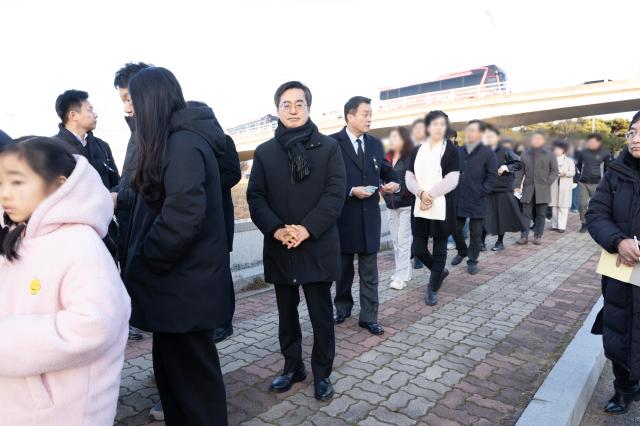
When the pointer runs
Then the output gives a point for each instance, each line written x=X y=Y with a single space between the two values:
x=477 y=357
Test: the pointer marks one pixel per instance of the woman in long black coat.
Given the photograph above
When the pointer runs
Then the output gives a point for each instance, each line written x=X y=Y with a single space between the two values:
x=178 y=271
x=613 y=220
x=503 y=210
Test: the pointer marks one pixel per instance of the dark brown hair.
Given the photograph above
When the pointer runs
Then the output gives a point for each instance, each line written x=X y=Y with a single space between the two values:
x=407 y=143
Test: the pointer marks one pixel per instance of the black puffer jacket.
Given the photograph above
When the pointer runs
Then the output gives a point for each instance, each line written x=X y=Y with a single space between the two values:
x=177 y=271
x=614 y=214
x=403 y=198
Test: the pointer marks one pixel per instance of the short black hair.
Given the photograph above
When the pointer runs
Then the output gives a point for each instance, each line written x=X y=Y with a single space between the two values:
x=292 y=85
x=635 y=119
x=435 y=114
x=71 y=99
x=124 y=74
x=492 y=128
x=352 y=105
x=482 y=126
x=559 y=143
x=196 y=104
x=596 y=136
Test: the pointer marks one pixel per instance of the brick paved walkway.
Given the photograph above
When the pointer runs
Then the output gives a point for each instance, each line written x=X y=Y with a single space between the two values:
x=477 y=357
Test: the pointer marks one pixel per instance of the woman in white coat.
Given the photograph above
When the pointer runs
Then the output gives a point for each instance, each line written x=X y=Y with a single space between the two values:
x=562 y=188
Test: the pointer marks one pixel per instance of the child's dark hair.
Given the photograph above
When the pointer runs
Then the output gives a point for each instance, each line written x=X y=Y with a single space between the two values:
x=48 y=158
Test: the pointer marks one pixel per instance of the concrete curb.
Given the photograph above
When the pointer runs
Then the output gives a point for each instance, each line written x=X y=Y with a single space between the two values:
x=564 y=395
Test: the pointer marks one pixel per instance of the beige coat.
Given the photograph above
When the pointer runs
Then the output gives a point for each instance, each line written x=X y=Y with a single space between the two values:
x=562 y=188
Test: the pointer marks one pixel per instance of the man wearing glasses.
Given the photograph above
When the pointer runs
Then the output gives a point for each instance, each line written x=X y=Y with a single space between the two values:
x=295 y=194
x=613 y=220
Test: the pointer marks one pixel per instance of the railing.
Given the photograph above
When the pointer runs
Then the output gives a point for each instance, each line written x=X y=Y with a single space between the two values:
x=258 y=127
x=444 y=96
x=395 y=104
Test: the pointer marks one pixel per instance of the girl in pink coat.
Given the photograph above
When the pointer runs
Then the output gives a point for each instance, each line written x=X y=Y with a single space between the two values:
x=64 y=311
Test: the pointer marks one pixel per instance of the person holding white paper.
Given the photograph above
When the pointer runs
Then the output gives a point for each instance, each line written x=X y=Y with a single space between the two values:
x=432 y=176
x=613 y=220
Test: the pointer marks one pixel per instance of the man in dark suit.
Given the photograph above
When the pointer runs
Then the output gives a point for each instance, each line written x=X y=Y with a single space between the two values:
x=78 y=121
x=478 y=172
x=359 y=224
x=539 y=170
x=295 y=194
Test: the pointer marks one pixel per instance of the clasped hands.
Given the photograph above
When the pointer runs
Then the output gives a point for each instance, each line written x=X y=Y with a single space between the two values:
x=426 y=200
x=291 y=235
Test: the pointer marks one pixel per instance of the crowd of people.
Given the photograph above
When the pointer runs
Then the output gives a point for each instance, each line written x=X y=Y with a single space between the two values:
x=90 y=256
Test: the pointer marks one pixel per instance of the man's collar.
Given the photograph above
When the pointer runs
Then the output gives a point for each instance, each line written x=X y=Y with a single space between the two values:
x=352 y=137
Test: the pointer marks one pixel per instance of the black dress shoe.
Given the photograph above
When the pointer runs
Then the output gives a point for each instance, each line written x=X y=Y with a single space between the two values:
x=457 y=259
x=323 y=390
x=621 y=402
x=498 y=247
x=283 y=383
x=432 y=296
x=472 y=268
x=340 y=318
x=443 y=277
x=583 y=228
x=373 y=327
x=417 y=263
x=221 y=333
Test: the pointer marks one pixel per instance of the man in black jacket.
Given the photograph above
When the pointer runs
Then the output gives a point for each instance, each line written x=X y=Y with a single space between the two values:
x=592 y=163
x=295 y=194
x=78 y=120
x=123 y=197
x=359 y=224
x=613 y=220
x=478 y=172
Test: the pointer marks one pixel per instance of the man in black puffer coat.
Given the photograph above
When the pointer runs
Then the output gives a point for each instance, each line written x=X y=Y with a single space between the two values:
x=613 y=219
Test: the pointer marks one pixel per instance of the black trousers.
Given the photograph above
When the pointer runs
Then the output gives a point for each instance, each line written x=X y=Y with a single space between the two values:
x=621 y=382
x=187 y=370
x=318 y=297
x=539 y=212
x=368 y=271
x=475 y=239
x=436 y=261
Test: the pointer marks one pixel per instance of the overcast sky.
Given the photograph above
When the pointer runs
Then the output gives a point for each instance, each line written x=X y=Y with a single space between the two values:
x=233 y=54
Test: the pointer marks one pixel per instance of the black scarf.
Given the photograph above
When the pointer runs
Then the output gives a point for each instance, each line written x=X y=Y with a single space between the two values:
x=293 y=141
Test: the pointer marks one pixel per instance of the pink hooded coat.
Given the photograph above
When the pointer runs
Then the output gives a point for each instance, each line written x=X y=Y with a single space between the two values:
x=64 y=313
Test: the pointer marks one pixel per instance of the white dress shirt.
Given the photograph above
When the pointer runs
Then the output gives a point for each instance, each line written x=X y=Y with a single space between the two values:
x=353 y=140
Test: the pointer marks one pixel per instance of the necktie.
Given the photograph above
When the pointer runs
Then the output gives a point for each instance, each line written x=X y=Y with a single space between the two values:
x=360 y=153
